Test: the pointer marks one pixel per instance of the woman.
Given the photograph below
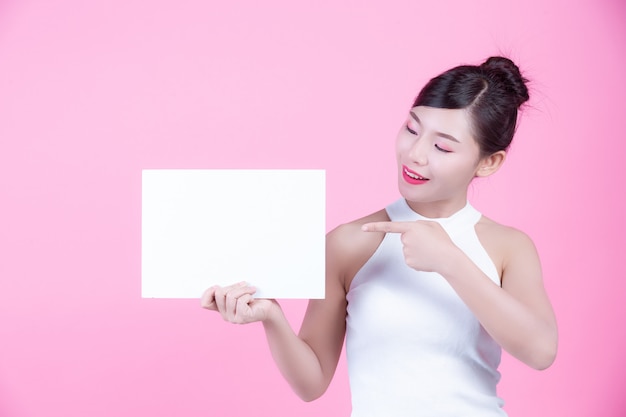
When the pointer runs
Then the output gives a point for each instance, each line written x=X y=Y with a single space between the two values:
x=427 y=291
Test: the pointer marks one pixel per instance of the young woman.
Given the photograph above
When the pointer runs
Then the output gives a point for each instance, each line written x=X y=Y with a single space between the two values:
x=427 y=291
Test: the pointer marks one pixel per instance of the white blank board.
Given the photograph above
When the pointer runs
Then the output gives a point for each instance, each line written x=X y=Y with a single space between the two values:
x=218 y=227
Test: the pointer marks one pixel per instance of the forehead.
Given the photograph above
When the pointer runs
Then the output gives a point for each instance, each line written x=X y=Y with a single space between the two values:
x=453 y=122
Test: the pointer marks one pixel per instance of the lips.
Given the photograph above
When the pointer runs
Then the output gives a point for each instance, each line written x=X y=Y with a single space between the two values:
x=412 y=177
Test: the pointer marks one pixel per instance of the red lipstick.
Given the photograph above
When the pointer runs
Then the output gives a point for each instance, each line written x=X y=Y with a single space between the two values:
x=412 y=177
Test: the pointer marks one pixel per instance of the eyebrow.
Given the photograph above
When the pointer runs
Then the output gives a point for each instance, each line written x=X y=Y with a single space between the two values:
x=441 y=134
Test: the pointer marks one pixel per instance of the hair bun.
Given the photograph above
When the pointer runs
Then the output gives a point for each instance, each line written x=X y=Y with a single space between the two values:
x=508 y=74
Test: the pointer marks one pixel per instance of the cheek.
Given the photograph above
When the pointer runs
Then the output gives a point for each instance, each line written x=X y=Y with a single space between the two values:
x=464 y=172
x=402 y=145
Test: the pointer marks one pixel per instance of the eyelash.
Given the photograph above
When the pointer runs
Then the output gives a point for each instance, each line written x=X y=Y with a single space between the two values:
x=413 y=132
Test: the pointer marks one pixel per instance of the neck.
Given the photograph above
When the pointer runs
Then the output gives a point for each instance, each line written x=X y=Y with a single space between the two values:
x=437 y=209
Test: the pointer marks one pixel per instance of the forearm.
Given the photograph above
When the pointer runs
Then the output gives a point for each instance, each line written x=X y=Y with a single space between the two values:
x=521 y=331
x=295 y=359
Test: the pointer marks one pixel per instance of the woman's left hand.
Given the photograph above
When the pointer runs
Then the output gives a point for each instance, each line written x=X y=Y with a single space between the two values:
x=427 y=247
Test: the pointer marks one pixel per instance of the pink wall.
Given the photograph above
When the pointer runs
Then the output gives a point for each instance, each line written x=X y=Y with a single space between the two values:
x=93 y=92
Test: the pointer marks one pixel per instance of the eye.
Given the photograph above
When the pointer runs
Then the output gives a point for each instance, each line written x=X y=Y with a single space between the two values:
x=411 y=131
x=439 y=148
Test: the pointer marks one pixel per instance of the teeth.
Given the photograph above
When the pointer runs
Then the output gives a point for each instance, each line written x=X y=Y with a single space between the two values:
x=412 y=175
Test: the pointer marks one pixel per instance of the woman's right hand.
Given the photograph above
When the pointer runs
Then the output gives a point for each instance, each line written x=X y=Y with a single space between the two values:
x=236 y=303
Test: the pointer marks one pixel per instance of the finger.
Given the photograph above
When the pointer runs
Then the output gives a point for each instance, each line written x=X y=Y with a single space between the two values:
x=387 y=227
x=232 y=299
x=242 y=313
x=220 y=294
x=208 y=299
x=220 y=301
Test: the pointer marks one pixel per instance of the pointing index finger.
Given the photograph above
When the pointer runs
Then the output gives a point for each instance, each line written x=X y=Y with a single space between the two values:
x=387 y=227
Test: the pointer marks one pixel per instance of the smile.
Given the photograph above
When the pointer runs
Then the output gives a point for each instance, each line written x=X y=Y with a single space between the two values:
x=412 y=177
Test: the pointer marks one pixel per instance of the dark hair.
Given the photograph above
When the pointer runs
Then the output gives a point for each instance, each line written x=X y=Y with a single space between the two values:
x=491 y=93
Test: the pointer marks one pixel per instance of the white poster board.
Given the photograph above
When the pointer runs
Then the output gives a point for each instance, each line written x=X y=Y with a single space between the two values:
x=219 y=227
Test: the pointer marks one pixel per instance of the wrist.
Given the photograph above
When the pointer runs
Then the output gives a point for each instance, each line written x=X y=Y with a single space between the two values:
x=454 y=263
x=274 y=314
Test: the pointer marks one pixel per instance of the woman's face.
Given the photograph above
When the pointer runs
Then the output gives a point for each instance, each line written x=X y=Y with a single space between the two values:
x=437 y=159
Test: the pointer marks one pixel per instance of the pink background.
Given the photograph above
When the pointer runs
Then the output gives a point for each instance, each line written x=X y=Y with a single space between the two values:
x=91 y=92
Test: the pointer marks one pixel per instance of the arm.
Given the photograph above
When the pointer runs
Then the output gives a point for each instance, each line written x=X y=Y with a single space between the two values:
x=308 y=360
x=517 y=315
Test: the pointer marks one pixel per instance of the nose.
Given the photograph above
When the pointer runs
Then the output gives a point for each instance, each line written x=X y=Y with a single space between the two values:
x=419 y=151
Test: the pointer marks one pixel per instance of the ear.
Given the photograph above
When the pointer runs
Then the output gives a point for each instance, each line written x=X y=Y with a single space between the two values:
x=490 y=164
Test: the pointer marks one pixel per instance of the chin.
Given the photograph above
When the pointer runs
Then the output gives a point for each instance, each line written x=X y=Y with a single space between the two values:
x=409 y=192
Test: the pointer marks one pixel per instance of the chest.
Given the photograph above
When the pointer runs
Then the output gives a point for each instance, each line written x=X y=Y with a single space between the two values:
x=389 y=299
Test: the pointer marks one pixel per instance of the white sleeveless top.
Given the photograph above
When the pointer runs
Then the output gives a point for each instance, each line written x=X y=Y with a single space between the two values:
x=413 y=346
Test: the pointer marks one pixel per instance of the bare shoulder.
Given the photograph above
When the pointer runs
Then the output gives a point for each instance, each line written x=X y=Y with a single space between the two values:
x=516 y=257
x=349 y=235
x=502 y=234
x=348 y=247
x=505 y=245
